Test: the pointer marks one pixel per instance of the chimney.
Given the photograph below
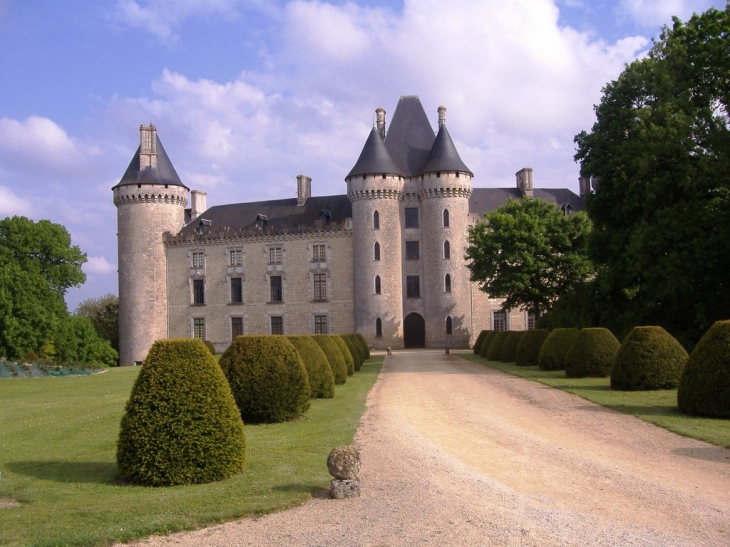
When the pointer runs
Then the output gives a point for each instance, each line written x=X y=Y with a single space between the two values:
x=380 y=116
x=147 y=147
x=584 y=185
x=197 y=203
x=304 y=189
x=524 y=181
x=442 y=116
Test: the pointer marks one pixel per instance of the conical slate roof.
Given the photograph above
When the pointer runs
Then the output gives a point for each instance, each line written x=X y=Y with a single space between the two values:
x=164 y=174
x=443 y=156
x=374 y=158
x=410 y=136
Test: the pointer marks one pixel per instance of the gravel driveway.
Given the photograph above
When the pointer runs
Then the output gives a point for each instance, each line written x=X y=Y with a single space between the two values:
x=458 y=454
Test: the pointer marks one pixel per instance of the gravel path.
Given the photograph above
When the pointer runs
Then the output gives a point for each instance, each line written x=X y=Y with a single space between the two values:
x=458 y=454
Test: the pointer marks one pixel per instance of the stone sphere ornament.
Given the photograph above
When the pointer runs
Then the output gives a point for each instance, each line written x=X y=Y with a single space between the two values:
x=344 y=462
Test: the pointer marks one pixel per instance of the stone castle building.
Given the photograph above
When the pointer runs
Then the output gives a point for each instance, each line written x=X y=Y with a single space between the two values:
x=385 y=260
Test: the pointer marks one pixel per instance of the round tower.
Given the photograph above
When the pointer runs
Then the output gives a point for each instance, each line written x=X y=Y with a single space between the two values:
x=374 y=186
x=444 y=193
x=150 y=200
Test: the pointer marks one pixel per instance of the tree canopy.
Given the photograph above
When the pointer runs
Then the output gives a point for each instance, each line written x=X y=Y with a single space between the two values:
x=659 y=157
x=103 y=312
x=528 y=252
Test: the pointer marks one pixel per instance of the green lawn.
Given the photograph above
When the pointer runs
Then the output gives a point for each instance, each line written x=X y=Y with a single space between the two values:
x=57 y=457
x=657 y=407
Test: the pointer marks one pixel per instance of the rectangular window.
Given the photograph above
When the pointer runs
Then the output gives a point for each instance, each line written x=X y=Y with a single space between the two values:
x=499 y=319
x=412 y=250
x=236 y=257
x=320 y=324
x=318 y=253
x=236 y=290
x=411 y=217
x=198 y=259
x=276 y=290
x=236 y=326
x=275 y=255
x=198 y=291
x=413 y=286
x=277 y=325
x=530 y=321
x=320 y=287
x=199 y=327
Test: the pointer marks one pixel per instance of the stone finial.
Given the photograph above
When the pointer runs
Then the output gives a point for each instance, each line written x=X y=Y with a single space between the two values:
x=442 y=115
x=380 y=121
x=304 y=189
x=343 y=464
x=524 y=181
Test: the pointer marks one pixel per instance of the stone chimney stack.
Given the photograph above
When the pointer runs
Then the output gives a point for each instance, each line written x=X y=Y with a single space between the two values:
x=380 y=117
x=304 y=189
x=584 y=185
x=524 y=181
x=147 y=147
x=442 y=116
x=198 y=205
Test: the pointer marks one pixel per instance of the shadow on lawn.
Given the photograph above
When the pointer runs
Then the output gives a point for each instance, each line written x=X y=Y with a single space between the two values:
x=93 y=472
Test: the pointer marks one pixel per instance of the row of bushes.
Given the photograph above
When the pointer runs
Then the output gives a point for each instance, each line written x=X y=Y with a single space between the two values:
x=648 y=358
x=184 y=421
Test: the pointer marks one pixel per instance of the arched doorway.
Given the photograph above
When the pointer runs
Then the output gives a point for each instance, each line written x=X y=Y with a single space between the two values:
x=414 y=331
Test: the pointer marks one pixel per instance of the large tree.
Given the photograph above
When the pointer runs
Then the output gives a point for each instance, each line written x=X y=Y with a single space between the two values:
x=659 y=156
x=37 y=265
x=529 y=252
x=103 y=312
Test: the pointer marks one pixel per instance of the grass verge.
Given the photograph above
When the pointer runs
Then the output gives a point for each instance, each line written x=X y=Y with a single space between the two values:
x=656 y=407
x=58 y=459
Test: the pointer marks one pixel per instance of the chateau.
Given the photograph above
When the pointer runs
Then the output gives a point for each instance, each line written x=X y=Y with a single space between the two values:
x=385 y=260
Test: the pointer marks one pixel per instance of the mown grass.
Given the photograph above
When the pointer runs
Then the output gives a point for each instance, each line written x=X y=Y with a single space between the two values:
x=57 y=457
x=656 y=407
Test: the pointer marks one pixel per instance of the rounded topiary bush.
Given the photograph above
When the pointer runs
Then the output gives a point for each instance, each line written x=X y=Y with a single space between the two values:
x=354 y=346
x=334 y=356
x=181 y=424
x=555 y=348
x=319 y=373
x=210 y=346
x=509 y=348
x=704 y=386
x=529 y=349
x=649 y=358
x=591 y=354
x=478 y=341
x=486 y=342
x=346 y=355
x=267 y=377
x=363 y=344
x=494 y=353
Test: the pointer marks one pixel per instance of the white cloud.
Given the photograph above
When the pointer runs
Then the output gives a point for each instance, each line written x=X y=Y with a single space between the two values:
x=655 y=13
x=98 y=265
x=11 y=204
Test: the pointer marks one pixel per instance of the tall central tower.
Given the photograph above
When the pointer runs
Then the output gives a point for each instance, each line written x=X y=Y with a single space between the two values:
x=150 y=200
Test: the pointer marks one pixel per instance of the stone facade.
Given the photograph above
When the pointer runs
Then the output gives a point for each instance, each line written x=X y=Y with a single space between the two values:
x=386 y=260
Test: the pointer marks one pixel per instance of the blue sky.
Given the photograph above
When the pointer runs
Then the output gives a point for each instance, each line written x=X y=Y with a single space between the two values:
x=246 y=94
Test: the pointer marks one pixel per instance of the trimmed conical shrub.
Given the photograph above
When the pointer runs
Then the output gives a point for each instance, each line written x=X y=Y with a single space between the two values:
x=363 y=344
x=649 y=358
x=486 y=343
x=267 y=377
x=704 y=387
x=334 y=356
x=591 y=354
x=494 y=353
x=528 y=351
x=319 y=373
x=509 y=348
x=181 y=424
x=346 y=355
x=555 y=348
x=478 y=341
x=354 y=346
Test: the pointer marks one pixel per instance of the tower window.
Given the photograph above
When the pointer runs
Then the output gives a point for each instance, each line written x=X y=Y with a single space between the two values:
x=320 y=324
x=198 y=292
x=447 y=283
x=413 y=286
x=320 y=287
x=412 y=250
x=448 y=325
x=411 y=217
x=447 y=250
x=446 y=218
x=377 y=284
x=378 y=327
x=276 y=288
x=198 y=259
x=318 y=253
x=275 y=254
x=376 y=221
x=236 y=290
x=235 y=257
x=376 y=251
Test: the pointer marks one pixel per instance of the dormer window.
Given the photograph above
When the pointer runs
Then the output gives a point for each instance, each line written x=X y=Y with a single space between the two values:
x=203 y=226
x=566 y=209
x=326 y=215
x=261 y=221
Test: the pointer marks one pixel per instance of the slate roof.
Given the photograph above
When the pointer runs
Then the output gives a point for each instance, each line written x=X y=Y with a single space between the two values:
x=484 y=200
x=164 y=174
x=279 y=213
x=374 y=158
x=443 y=156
